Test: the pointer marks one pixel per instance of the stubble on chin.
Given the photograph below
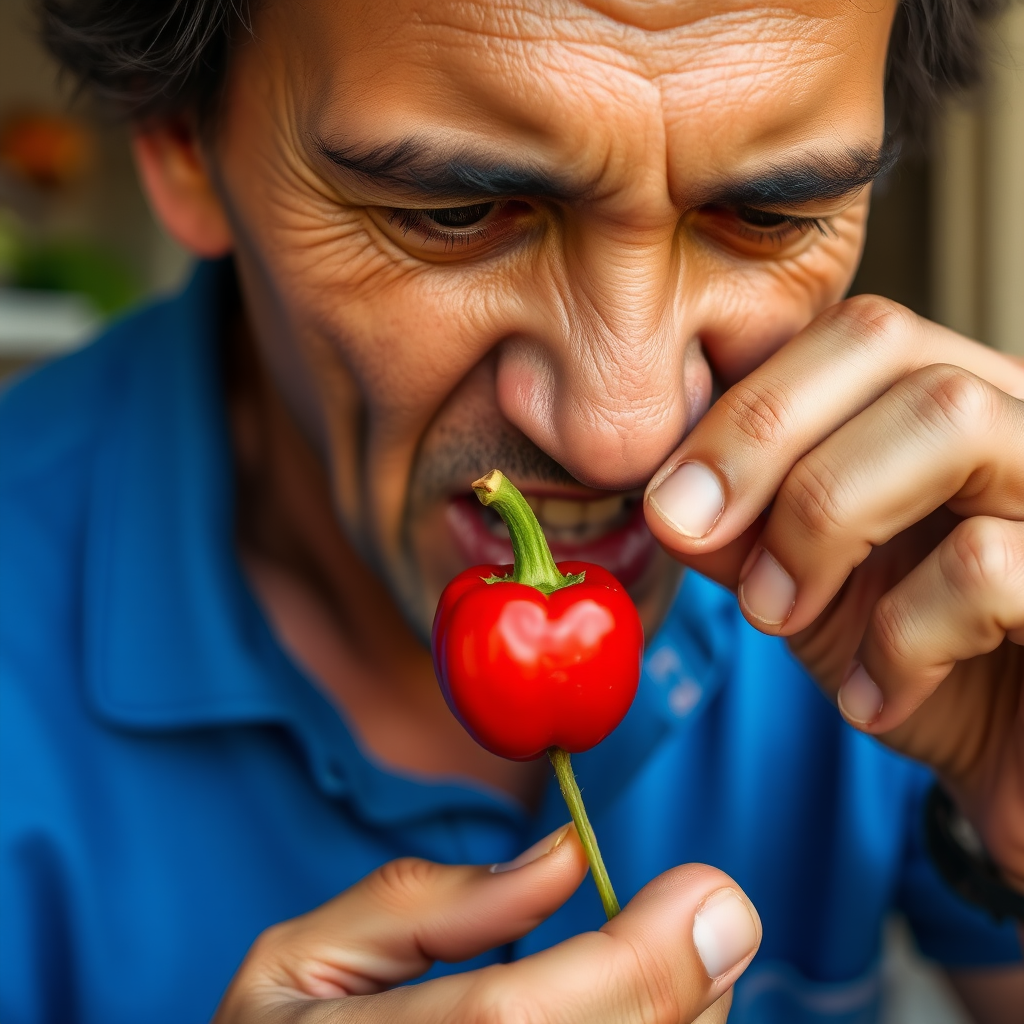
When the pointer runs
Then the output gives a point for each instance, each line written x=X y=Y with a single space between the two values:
x=448 y=461
x=454 y=455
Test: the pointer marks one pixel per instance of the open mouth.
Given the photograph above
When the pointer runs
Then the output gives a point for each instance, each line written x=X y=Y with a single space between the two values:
x=606 y=529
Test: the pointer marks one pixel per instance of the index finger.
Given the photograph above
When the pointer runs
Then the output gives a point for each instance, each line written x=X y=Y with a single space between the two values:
x=703 y=502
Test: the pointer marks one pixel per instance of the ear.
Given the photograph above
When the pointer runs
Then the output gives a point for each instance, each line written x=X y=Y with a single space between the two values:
x=176 y=178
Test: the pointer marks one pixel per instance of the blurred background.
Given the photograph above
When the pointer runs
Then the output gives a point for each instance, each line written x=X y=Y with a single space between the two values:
x=78 y=246
x=77 y=242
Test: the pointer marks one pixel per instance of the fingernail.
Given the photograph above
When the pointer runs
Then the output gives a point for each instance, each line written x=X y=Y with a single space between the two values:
x=725 y=931
x=860 y=700
x=767 y=591
x=690 y=499
x=541 y=848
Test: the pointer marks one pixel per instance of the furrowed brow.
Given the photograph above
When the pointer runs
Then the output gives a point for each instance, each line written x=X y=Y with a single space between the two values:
x=817 y=179
x=414 y=167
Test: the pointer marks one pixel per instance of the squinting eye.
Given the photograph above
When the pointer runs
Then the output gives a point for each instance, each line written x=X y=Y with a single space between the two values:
x=456 y=231
x=755 y=232
x=762 y=218
x=459 y=216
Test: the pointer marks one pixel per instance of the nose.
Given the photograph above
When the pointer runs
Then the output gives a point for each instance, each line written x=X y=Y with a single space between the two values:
x=612 y=373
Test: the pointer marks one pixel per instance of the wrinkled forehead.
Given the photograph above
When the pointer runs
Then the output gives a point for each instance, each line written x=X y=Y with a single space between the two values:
x=707 y=80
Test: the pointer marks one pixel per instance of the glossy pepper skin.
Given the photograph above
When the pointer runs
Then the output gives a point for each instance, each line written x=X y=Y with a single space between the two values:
x=536 y=657
x=524 y=670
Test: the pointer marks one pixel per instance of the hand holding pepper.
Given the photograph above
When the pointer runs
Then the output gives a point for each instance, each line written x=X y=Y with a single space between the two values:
x=675 y=950
x=538 y=656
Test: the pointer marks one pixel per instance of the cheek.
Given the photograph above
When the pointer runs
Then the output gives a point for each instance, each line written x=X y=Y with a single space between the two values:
x=756 y=308
x=403 y=333
x=383 y=343
x=328 y=293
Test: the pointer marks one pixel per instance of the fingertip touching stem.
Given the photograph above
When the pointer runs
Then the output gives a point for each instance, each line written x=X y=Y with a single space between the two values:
x=574 y=801
x=534 y=564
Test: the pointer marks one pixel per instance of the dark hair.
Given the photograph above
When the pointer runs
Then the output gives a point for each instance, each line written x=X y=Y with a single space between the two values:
x=935 y=49
x=145 y=58
x=153 y=57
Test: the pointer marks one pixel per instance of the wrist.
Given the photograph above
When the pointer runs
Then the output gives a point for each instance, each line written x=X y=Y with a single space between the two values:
x=1014 y=881
x=963 y=861
x=1000 y=835
x=1009 y=861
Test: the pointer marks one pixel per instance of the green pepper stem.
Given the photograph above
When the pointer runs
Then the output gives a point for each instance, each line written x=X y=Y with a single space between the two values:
x=534 y=564
x=574 y=801
x=535 y=567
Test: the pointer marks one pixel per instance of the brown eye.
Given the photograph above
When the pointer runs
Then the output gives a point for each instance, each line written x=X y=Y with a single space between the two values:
x=758 y=233
x=459 y=216
x=762 y=218
x=457 y=232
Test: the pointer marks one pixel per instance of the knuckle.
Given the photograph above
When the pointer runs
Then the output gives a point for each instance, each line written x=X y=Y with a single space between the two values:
x=953 y=400
x=402 y=883
x=760 y=412
x=875 y=320
x=811 y=495
x=984 y=555
x=889 y=625
x=270 y=950
x=269 y=942
x=652 y=985
x=492 y=1000
x=636 y=978
x=658 y=999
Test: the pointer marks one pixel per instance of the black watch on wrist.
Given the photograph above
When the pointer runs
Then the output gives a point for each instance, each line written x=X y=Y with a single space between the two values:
x=957 y=852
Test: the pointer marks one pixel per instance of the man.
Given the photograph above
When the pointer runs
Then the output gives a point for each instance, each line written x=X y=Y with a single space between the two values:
x=541 y=237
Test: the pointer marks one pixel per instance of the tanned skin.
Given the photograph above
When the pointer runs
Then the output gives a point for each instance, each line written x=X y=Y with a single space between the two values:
x=660 y=202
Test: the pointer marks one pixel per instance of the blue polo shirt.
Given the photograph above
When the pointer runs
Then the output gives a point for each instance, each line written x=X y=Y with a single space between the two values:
x=173 y=783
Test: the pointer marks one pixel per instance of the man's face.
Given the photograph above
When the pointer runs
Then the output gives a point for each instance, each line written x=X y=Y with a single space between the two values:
x=529 y=235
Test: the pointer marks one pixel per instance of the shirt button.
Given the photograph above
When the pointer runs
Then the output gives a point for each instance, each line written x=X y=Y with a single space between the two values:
x=684 y=697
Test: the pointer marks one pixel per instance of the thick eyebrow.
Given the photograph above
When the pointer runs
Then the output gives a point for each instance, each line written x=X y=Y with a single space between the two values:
x=414 y=166
x=816 y=178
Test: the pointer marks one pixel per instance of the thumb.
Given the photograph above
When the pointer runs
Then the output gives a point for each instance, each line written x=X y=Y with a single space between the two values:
x=671 y=956
x=393 y=924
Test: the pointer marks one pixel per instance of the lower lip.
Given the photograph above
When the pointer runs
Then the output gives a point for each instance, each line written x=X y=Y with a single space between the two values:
x=625 y=552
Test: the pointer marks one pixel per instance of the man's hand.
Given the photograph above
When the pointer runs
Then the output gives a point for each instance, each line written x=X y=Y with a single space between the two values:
x=672 y=954
x=863 y=493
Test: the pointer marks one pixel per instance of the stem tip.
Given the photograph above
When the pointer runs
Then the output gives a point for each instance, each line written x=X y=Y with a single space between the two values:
x=488 y=485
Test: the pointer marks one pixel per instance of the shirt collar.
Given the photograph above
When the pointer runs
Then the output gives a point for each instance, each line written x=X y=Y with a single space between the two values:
x=174 y=639
x=163 y=589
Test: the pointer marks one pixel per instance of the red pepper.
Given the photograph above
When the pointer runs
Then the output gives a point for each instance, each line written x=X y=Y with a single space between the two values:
x=538 y=657
x=524 y=670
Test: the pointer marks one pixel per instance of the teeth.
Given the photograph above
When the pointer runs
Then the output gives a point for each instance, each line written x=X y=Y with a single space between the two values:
x=562 y=514
x=605 y=510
